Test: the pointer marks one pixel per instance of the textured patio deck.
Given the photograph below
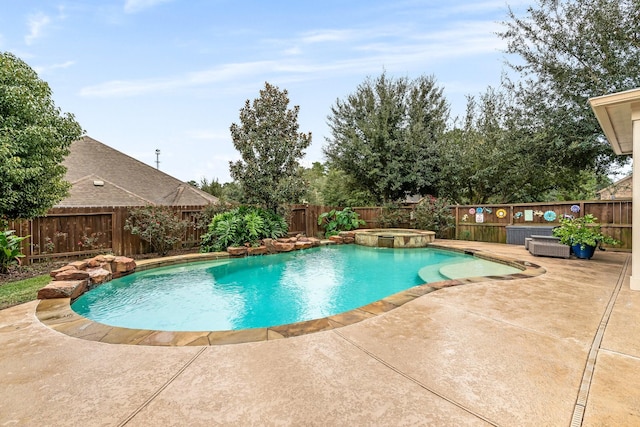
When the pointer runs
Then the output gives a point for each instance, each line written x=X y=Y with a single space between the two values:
x=562 y=348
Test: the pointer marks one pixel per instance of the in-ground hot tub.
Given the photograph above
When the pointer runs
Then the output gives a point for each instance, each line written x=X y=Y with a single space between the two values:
x=394 y=237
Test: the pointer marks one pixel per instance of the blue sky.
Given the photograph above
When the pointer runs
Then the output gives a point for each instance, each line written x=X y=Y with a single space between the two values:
x=141 y=75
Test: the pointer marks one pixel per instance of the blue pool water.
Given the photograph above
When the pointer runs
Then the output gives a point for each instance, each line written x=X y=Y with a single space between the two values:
x=263 y=291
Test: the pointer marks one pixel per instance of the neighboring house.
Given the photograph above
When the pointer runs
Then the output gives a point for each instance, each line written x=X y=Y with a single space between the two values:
x=103 y=176
x=622 y=189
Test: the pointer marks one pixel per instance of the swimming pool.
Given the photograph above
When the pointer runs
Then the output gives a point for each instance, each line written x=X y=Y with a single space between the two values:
x=265 y=291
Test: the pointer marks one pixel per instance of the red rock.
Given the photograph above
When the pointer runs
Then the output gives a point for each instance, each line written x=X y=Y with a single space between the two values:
x=336 y=239
x=314 y=241
x=269 y=244
x=123 y=264
x=347 y=234
x=63 y=289
x=55 y=272
x=71 y=274
x=102 y=258
x=260 y=250
x=80 y=265
x=106 y=266
x=99 y=275
x=348 y=239
x=237 y=250
x=283 y=247
x=303 y=245
x=93 y=263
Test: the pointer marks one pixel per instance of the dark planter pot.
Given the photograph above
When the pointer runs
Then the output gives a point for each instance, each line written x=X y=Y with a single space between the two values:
x=585 y=253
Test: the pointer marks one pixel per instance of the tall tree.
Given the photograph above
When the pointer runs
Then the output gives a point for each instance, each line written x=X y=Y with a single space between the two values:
x=385 y=136
x=212 y=187
x=271 y=147
x=34 y=139
x=568 y=51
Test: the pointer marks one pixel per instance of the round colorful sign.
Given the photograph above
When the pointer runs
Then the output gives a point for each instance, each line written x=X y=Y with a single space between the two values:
x=501 y=213
x=549 y=215
x=472 y=211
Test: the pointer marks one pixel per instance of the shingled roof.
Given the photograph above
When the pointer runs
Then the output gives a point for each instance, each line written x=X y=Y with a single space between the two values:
x=103 y=176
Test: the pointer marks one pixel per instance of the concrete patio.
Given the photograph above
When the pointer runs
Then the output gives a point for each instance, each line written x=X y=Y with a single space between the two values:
x=559 y=349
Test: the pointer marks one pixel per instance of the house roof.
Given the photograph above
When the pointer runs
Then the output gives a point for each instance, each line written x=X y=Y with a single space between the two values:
x=103 y=176
x=625 y=182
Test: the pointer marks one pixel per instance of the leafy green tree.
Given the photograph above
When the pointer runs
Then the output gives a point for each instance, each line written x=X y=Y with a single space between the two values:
x=341 y=189
x=566 y=52
x=232 y=191
x=34 y=139
x=385 y=136
x=212 y=187
x=271 y=146
x=315 y=179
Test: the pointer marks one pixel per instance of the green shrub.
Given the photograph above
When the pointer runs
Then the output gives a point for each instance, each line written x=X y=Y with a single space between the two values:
x=336 y=221
x=158 y=225
x=393 y=216
x=10 y=250
x=204 y=217
x=583 y=231
x=434 y=214
x=240 y=226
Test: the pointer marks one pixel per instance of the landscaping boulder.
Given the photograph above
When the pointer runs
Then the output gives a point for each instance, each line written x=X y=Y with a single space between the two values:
x=54 y=273
x=98 y=276
x=63 y=289
x=336 y=239
x=71 y=274
x=303 y=245
x=283 y=247
x=237 y=250
x=260 y=250
x=270 y=245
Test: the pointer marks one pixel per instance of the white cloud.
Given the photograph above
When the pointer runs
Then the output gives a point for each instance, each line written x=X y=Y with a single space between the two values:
x=374 y=48
x=37 y=24
x=134 y=6
x=123 y=88
x=322 y=36
x=47 y=68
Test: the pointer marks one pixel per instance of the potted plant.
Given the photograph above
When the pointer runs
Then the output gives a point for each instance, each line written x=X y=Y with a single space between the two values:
x=583 y=234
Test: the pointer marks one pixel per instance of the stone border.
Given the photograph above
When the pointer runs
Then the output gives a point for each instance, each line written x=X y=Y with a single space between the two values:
x=58 y=315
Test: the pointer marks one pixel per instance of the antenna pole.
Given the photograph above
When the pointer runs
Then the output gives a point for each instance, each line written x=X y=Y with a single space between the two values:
x=157 y=158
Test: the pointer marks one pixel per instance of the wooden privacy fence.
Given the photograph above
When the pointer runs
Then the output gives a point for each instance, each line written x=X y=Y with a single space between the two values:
x=66 y=232
x=613 y=215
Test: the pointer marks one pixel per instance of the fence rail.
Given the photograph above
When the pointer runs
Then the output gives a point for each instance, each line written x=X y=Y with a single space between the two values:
x=66 y=232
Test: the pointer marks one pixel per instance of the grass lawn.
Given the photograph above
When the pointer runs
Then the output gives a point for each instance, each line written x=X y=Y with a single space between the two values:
x=18 y=292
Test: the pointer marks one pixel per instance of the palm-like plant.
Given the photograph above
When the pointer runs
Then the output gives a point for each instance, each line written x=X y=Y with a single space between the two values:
x=10 y=250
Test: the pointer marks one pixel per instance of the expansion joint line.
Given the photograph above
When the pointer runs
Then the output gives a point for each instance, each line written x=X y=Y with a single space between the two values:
x=587 y=375
x=410 y=378
x=164 y=386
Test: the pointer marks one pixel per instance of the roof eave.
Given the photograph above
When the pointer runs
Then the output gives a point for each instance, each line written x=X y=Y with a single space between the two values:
x=614 y=113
